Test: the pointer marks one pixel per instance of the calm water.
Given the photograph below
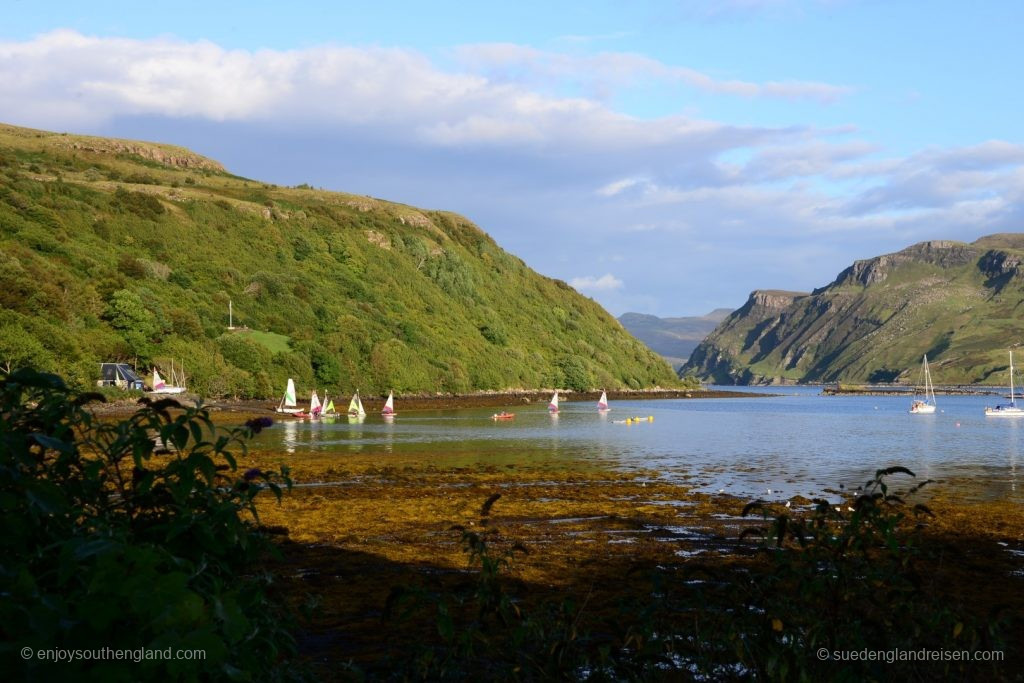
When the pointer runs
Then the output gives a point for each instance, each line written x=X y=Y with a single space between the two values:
x=799 y=443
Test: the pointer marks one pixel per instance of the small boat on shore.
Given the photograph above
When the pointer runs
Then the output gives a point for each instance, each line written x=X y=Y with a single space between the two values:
x=926 y=405
x=161 y=387
x=503 y=415
x=1010 y=409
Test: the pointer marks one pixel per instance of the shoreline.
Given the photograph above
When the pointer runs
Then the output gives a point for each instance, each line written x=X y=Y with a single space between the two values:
x=484 y=399
x=906 y=391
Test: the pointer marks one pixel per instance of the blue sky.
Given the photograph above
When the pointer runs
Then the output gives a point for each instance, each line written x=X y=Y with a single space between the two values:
x=663 y=157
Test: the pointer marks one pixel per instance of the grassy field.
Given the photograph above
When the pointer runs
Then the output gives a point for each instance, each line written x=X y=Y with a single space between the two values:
x=275 y=343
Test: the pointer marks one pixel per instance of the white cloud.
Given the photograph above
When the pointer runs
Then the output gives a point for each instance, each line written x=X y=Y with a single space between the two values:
x=601 y=74
x=618 y=186
x=501 y=140
x=605 y=283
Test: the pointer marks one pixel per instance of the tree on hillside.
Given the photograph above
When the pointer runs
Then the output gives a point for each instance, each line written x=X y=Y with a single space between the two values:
x=20 y=349
x=136 y=323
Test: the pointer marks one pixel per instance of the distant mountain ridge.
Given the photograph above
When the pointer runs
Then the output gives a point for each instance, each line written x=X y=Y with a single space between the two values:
x=961 y=303
x=118 y=250
x=673 y=338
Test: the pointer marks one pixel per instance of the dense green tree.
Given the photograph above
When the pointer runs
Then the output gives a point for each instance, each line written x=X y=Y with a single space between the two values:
x=136 y=323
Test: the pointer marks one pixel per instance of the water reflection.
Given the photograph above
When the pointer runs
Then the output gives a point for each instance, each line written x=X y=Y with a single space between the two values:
x=796 y=444
x=291 y=432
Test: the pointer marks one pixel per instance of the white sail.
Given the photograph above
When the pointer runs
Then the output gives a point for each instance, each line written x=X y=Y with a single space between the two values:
x=355 y=406
x=553 y=405
x=314 y=404
x=602 y=403
x=161 y=387
x=1007 y=410
x=288 y=404
x=389 y=405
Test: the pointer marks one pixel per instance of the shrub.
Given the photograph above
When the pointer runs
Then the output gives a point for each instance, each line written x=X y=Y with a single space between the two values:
x=107 y=544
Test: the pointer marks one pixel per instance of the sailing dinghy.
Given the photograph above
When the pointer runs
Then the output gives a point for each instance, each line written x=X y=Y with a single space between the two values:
x=288 y=404
x=328 y=408
x=161 y=387
x=602 y=403
x=389 y=406
x=314 y=405
x=553 y=405
x=355 y=406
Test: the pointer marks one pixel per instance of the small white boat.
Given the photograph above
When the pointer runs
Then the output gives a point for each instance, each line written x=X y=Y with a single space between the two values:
x=602 y=403
x=288 y=404
x=553 y=404
x=1007 y=409
x=355 y=406
x=161 y=387
x=389 y=405
x=926 y=405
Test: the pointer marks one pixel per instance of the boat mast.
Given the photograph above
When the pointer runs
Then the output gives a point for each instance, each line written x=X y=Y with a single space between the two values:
x=1012 y=402
x=929 y=388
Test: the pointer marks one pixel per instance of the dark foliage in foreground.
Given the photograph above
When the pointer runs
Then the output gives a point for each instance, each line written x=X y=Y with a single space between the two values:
x=846 y=578
x=107 y=544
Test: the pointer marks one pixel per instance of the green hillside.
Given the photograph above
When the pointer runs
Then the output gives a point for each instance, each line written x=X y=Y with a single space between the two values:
x=962 y=304
x=121 y=250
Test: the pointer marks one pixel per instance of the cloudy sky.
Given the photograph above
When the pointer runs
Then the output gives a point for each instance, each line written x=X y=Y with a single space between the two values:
x=663 y=156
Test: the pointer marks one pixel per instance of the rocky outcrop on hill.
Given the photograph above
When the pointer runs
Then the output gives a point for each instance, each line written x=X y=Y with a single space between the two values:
x=168 y=155
x=162 y=154
x=960 y=303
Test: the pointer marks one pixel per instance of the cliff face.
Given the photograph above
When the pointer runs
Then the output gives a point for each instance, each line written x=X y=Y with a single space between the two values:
x=743 y=329
x=959 y=303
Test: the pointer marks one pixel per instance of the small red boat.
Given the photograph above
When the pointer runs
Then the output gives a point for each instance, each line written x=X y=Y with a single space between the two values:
x=503 y=416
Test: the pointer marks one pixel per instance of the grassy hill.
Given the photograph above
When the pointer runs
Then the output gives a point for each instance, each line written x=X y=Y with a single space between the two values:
x=674 y=339
x=123 y=250
x=962 y=304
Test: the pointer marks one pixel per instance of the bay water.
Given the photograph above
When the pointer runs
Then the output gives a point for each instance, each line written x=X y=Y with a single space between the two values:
x=770 y=447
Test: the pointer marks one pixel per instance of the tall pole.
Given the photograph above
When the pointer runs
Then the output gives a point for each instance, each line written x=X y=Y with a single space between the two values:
x=231 y=316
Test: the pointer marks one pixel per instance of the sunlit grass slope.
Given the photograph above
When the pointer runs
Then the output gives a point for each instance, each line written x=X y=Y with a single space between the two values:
x=121 y=250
